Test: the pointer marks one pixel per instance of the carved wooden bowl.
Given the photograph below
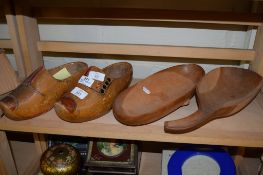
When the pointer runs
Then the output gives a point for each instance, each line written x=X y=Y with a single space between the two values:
x=221 y=93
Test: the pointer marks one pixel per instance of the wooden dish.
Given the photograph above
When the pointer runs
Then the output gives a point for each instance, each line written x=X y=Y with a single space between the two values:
x=221 y=93
x=157 y=95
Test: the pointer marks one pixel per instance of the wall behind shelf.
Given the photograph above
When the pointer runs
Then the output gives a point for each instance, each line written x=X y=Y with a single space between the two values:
x=180 y=36
x=223 y=38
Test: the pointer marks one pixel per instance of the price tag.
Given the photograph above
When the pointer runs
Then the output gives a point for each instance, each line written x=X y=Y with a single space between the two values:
x=79 y=93
x=96 y=76
x=146 y=90
x=86 y=81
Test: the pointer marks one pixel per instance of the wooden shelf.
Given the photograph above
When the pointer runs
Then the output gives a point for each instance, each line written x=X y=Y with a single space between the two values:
x=147 y=15
x=242 y=129
x=149 y=50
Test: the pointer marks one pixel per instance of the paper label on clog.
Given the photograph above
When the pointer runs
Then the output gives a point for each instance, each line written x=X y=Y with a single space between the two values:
x=62 y=74
x=86 y=81
x=96 y=76
x=146 y=90
x=80 y=93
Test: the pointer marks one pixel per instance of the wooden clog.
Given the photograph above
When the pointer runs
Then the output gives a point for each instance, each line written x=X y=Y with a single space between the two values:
x=38 y=92
x=157 y=95
x=94 y=94
x=221 y=93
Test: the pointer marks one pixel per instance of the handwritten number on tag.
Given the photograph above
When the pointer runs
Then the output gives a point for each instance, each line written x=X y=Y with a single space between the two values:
x=86 y=81
x=96 y=76
x=80 y=93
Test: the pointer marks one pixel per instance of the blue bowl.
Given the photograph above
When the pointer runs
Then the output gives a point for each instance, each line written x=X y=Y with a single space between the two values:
x=223 y=159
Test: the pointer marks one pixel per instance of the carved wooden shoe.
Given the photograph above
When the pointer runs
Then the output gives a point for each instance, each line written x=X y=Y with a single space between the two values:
x=94 y=94
x=221 y=93
x=38 y=93
x=157 y=95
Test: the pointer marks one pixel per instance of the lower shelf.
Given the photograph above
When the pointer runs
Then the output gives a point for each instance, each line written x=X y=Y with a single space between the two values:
x=27 y=159
x=150 y=164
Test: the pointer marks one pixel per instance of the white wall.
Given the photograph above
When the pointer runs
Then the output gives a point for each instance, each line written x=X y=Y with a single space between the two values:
x=4 y=31
x=143 y=35
x=139 y=35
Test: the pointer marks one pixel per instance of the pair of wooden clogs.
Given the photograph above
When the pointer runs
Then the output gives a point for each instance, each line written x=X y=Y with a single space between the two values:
x=220 y=93
x=77 y=92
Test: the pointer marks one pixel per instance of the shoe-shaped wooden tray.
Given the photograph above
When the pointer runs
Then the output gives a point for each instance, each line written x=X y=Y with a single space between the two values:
x=221 y=93
x=158 y=95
